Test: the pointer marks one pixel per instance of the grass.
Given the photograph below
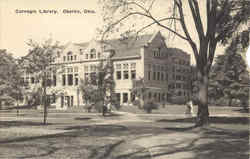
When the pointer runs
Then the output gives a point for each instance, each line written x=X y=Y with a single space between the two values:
x=92 y=136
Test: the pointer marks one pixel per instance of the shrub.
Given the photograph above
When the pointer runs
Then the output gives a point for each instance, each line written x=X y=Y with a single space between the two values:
x=150 y=105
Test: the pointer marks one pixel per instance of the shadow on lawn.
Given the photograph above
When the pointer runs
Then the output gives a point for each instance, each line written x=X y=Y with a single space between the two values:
x=8 y=124
x=219 y=120
x=211 y=143
x=68 y=143
x=78 y=118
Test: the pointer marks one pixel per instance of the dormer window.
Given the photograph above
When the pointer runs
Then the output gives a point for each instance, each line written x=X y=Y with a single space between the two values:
x=81 y=52
x=58 y=54
x=69 y=56
x=92 y=54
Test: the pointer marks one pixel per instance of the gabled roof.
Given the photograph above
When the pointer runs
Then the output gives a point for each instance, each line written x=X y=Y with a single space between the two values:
x=124 y=47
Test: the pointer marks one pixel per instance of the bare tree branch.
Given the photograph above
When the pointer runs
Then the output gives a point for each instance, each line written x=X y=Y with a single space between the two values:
x=184 y=27
x=196 y=18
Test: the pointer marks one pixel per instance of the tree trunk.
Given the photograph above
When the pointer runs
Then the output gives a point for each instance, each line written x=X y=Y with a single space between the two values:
x=17 y=111
x=203 y=113
x=45 y=112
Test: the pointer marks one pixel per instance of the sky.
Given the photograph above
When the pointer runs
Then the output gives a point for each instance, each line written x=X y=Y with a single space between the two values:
x=17 y=28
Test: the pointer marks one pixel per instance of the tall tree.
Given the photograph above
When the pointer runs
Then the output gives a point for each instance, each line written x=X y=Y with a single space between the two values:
x=226 y=83
x=40 y=63
x=10 y=79
x=221 y=19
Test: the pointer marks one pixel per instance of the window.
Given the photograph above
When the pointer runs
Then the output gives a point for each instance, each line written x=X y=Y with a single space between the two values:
x=54 y=79
x=178 y=77
x=76 y=79
x=92 y=54
x=125 y=75
x=125 y=98
x=76 y=69
x=86 y=69
x=74 y=57
x=162 y=76
x=71 y=58
x=118 y=66
x=133 y=74
x=64 y=58
x=179 y=93
x=133 y=66
x=99 y=55
x=125 y=66
x=80 y=50
x=86 y=56
x=149 y=75
x=158 y=76
x=149 y=95
x=70 y=79
x=63 y=80
x=155 y=96
x=154 y=75
x=118 y=75
x=70 y=70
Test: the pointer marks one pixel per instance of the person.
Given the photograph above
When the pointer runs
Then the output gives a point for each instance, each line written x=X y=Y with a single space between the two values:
x=104 y=109
x=189 y=109
x=106 y=106
x=109 y=104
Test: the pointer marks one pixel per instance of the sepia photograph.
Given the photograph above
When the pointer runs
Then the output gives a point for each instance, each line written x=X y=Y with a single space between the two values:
x=124 y=79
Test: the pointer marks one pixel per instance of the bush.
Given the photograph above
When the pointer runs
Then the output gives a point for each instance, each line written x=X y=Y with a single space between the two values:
x=150 y=105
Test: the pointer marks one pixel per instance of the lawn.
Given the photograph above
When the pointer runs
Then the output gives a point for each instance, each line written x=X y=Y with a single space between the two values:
x=123 y=136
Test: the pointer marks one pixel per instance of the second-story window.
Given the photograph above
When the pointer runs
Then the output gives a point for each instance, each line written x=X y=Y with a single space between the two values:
x=70 y=79
x=125 y=75
x=149 y=75
x=76 y=79
x=64 y=80
x=133 y=74
x=133 y=70
x=118 y=75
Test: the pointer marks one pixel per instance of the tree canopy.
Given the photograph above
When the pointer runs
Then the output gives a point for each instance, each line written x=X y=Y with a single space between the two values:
x=229 y=78
x=10 y=78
